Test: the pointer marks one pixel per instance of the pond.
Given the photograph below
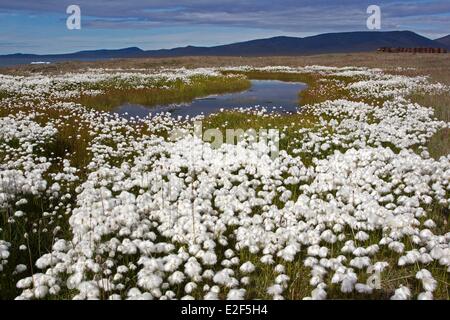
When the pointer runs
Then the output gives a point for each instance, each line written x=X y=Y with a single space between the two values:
x=274 y=95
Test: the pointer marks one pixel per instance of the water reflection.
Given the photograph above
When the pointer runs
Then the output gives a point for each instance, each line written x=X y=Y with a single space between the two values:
x=271 y=94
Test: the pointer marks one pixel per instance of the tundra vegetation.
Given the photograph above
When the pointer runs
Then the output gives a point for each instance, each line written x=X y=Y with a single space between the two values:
x=96 y=206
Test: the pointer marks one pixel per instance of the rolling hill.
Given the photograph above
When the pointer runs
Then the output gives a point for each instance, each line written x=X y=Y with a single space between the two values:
x=345 y=42
x=444 y=41
x=323 y=43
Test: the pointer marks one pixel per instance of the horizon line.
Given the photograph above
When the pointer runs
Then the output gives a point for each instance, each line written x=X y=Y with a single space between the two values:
x=224 y=44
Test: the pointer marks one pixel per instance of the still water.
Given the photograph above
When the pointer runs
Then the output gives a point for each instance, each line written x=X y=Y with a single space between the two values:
x=274 y=95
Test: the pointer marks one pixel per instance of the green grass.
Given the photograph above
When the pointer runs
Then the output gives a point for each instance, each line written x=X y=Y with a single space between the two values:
x=35 y=228
x=178 y=92
x=39 y=241
x=289 y=124
x=439 y=144
x=3 y=94
x=73 y=139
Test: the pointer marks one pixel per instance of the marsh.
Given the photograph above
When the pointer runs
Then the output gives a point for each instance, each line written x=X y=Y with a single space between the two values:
x=273 y=95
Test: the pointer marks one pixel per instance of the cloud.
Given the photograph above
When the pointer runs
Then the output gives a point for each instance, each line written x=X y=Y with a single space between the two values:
x=171 y=23
x=287 y=15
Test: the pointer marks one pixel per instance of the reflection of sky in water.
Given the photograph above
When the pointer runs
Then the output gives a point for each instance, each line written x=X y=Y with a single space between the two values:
x=263 y=93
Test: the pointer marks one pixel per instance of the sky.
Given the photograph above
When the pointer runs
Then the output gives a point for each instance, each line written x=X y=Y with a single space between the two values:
x=39 y=26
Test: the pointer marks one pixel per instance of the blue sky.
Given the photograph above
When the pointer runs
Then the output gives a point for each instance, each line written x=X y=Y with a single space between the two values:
x=39 y=26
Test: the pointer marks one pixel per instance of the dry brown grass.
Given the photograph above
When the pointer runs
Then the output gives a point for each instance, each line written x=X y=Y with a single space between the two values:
x=437 y=65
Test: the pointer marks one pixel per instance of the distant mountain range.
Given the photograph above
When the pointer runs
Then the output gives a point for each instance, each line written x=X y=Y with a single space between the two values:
x=445 y=41
x=346 y=42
